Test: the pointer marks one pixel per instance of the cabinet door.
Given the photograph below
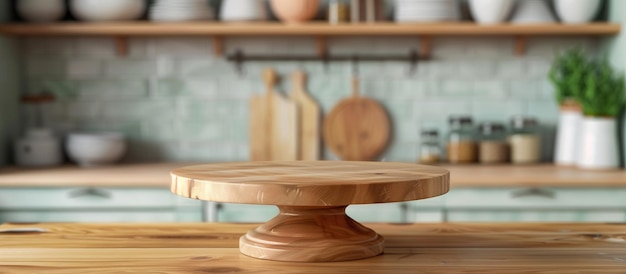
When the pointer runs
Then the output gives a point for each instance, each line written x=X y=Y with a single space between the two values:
x=96 y=205
x=240 y=213
x=388 y=213
x=536 y=205
x=90 y=197
x=101 y=216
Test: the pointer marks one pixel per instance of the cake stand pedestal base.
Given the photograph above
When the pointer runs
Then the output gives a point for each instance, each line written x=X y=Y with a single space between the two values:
x=311 y=234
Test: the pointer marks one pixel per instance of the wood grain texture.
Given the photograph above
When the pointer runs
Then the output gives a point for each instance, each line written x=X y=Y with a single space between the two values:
x=358 y=128
x=284 y=124
x=428 y=248
x=312 y=28
x=309 y=234
x=157 y=175
x=310 y=183
x=273 y=124
x=309 y=124
x=259 y=138
x=226 y=235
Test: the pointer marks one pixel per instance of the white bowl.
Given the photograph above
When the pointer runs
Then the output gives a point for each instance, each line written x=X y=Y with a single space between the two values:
x=107 y=10
x=489 y=12
x=96 y=149
x=243 y=10
x=41 y=11
x=532 y=12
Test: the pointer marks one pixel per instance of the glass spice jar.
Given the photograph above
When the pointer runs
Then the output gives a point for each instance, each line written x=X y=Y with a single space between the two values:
x=461 y=140
x=493 y=147
x=525 y=141
x=430 y=151
x=338 y=11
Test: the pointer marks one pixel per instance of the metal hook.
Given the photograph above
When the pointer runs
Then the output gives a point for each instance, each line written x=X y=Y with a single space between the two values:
x=238 y=58
x=414 y=59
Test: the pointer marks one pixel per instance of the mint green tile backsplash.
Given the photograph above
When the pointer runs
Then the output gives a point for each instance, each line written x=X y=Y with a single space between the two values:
x=178 y=102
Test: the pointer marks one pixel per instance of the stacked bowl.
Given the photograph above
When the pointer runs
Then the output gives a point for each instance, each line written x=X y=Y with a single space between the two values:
x=427 y=10
x=181 y=10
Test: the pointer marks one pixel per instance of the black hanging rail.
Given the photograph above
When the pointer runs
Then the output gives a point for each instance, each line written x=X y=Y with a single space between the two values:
x=239 y=58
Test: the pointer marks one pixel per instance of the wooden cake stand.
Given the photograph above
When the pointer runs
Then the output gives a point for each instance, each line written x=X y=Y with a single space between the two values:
x=312 y=225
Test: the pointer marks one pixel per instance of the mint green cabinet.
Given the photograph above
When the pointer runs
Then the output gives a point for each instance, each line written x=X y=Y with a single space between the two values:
x=390 y=213
x=96 y=204
x=524 y=205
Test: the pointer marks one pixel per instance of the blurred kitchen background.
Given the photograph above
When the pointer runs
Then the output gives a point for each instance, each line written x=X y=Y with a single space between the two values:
x=174 y=101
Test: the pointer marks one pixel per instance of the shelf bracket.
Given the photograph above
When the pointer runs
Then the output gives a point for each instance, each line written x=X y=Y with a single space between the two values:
x=218 y=46
x=121 y=46
x=520 y=45
x=426 y=45
x=321 y=47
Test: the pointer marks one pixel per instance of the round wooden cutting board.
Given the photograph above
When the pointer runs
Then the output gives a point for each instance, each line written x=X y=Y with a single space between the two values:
x=358 y=128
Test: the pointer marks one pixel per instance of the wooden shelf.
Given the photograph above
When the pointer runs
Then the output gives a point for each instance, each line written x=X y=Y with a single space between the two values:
x=315 y=29
x=158 y=175
x=320 y=30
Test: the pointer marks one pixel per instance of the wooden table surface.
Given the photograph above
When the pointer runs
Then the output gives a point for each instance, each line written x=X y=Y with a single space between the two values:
x=212 y=248
x=157 y=175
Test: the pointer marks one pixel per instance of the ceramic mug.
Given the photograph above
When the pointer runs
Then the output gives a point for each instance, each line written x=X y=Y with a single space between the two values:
x=490 y=11
x=40 y=11
x=39 y=148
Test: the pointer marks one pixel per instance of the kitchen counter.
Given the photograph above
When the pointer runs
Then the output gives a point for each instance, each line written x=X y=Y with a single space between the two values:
x=212 y=248
x=157 y=175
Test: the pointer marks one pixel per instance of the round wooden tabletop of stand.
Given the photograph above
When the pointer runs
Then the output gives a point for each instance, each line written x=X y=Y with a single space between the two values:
x=312 y=196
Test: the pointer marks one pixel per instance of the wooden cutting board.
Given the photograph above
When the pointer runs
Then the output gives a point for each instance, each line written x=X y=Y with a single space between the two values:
x=309 y=132
x=358 y=128
x=273 y=124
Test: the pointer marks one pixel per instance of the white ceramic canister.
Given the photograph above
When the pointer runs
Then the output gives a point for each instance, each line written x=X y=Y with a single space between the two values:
x=39 y=11
x=577 y=11
x=598 y=144
x=39 y=148
x=566 y=148
x=489 y=12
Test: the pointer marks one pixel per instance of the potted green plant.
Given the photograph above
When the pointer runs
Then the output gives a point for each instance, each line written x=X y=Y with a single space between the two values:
x=568 y=74
x=602 y=100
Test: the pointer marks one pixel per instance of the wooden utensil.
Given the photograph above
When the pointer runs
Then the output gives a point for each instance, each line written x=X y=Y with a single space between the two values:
x=309 y=135
x=273 y=124
x=358 y=128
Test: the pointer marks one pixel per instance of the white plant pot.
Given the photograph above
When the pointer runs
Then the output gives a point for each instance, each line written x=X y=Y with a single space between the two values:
x=566 y=152
x=489 y=12
x=577 y=11
x=598 y=144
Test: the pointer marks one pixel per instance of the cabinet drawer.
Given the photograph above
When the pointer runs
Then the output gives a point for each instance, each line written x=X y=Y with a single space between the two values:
x=101 y=216
x=51 y=198
x=537 y=216
x=545 y=198
x=389 y=213
x=240 y=213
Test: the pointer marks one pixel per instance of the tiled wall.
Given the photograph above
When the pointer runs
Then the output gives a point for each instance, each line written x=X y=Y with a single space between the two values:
x=178 y=102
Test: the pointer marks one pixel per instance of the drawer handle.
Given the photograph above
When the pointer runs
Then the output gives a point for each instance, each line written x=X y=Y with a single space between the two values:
x=90 y=192
x=536 y=192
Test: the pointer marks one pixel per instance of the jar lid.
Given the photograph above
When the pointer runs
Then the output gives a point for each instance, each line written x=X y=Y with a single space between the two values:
x=523 y=122
x=460 y=120
x=430 y=133
x=488 y=128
